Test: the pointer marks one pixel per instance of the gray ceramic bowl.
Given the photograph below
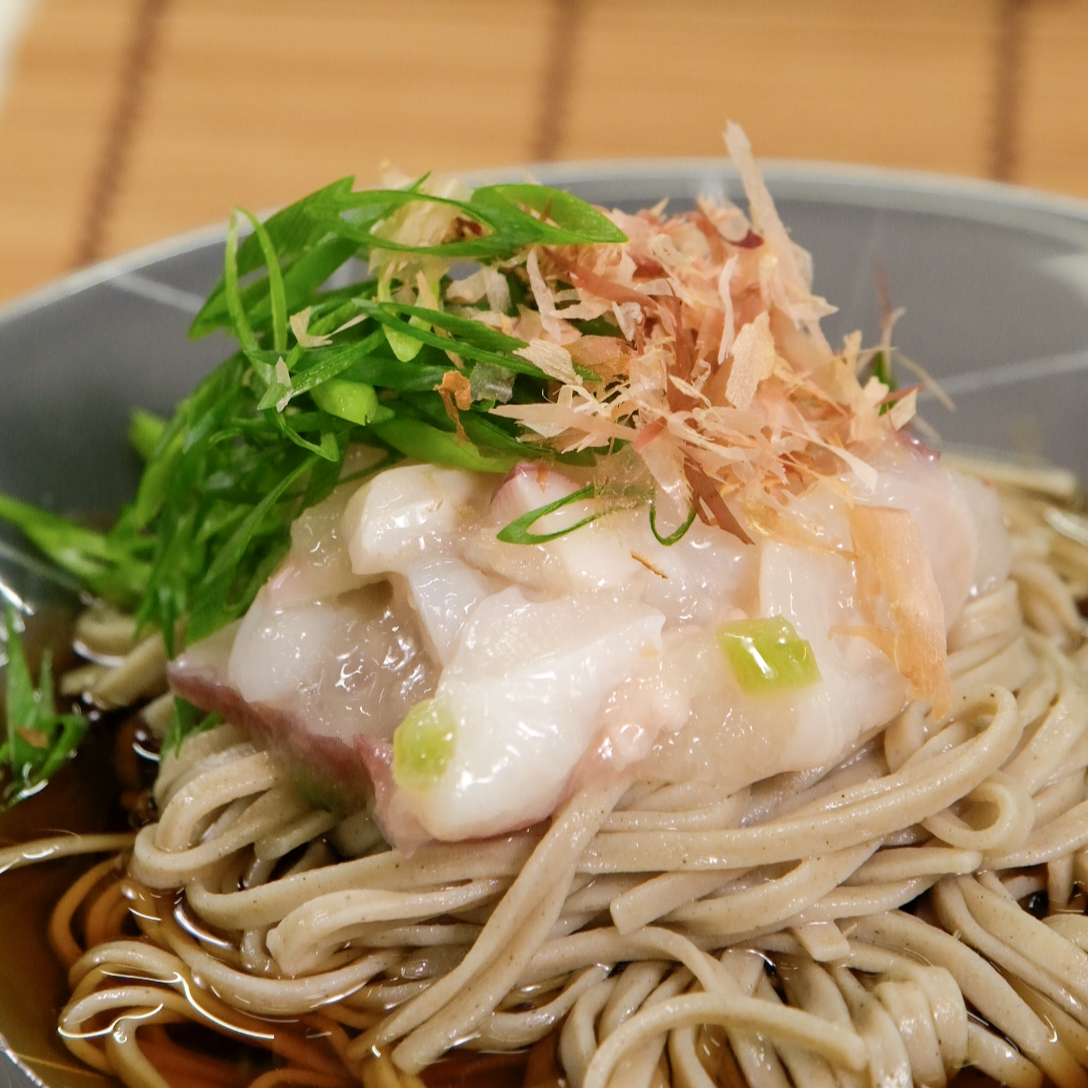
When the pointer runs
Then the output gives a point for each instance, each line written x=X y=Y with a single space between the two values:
x=994 y=281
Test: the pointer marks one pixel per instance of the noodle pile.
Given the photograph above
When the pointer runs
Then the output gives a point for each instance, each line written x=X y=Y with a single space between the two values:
x=917 y=908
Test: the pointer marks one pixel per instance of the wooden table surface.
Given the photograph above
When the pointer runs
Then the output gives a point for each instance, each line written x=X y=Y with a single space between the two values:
x=125 y=121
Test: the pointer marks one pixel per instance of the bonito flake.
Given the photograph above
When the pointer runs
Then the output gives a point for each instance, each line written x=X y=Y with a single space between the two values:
x=697 y=340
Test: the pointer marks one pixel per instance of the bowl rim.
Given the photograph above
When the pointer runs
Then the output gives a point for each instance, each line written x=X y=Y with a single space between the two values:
x=980 y=200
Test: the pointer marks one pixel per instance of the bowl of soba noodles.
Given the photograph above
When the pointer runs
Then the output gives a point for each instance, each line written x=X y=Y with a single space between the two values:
x=620 y=628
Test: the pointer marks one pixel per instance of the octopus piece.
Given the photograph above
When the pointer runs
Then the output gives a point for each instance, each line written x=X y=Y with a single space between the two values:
x=405 y=656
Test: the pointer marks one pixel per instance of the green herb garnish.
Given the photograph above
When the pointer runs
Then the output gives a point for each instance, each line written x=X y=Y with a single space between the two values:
x=677 y=534
x=184 y=720
x=318 y=369
x=144 y=431
x=38 y=740
x=882 y=371
x=112 y=566
x=519 y=530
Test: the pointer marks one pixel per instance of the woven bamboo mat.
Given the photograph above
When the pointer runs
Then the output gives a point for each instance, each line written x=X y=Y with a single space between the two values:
x=124 y=121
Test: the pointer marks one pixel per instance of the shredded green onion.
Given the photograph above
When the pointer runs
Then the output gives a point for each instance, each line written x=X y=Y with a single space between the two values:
x=38 y=740
x=264 y=436
x=519 y=530
x=882 y=371
x=145 y=430
x=678 y=534
x=354 y=401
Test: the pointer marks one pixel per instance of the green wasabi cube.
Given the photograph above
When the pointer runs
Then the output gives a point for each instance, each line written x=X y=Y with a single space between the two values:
x=422 y=745
x=768 y=656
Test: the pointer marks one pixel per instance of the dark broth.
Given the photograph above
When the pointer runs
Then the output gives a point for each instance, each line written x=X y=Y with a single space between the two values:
x=33 y=985
x=85 y=798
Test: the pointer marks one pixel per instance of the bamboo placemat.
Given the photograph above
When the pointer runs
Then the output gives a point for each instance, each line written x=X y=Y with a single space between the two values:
x=125 y=121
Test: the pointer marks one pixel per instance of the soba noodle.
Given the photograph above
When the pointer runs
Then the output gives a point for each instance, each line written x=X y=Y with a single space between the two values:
x=862 y=923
